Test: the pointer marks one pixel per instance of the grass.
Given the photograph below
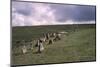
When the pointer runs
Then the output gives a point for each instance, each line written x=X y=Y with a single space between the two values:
x=79 y=45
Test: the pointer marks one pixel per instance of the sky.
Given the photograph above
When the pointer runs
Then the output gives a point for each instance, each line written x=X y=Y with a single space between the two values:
x=34 y=14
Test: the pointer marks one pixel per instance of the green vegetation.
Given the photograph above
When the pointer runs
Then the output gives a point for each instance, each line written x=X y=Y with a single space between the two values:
x=79 y=45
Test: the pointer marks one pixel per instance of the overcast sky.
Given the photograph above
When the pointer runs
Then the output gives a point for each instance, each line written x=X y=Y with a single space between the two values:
x=33 y=14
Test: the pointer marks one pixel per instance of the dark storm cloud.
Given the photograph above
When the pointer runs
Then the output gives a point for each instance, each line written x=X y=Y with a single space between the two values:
x=74 y=12
x=85 y=13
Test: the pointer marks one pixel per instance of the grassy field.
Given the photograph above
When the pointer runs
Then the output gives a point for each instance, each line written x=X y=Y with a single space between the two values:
x=79 y=45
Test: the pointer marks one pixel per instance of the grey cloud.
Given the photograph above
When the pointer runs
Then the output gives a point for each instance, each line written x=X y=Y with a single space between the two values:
x=74 y=12
x=23 y=8
x=28 y=14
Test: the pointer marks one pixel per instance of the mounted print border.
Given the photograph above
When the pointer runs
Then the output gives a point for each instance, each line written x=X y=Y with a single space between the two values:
x=52 y=33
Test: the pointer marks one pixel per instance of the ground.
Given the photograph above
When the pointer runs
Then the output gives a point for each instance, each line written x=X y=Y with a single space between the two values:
x=78 y=45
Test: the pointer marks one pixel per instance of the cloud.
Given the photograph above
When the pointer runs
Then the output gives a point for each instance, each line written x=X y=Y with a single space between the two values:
x=74 y=12
x=32 y=14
